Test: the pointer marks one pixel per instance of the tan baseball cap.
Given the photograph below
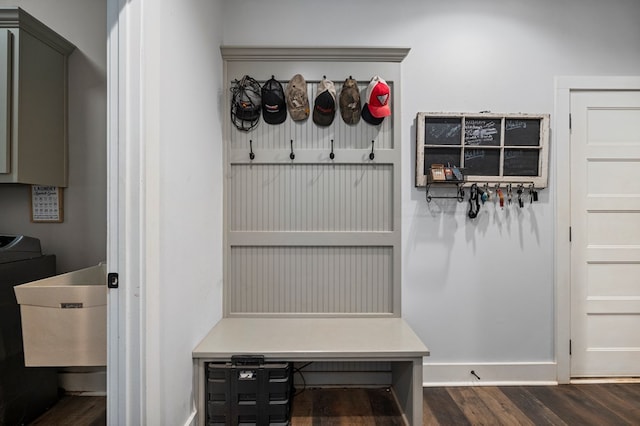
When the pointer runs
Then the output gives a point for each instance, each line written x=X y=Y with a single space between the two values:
x=297 y=98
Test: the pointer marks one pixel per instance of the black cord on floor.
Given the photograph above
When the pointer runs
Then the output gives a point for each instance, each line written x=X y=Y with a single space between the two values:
x=304 y=383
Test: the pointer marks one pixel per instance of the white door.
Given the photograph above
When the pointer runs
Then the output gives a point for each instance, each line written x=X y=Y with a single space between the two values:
x=605 y=233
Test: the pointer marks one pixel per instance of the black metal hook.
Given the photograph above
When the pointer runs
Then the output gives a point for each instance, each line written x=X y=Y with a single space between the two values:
x=372 y=155
x=332 y=155
x=251 y=154
x=292 y=155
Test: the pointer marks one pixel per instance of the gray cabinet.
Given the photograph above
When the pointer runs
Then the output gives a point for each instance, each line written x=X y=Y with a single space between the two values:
x=33 y=101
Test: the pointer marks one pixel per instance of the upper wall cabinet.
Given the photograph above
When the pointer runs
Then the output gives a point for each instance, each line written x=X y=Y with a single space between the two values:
x=33 y=101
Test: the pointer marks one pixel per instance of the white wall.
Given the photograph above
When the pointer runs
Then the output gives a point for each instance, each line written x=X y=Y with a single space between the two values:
x=182 y=143
x=475 y=292
x=478 y=291
x=79 y=241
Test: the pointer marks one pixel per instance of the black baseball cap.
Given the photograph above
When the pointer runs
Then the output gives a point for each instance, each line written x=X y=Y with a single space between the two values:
x=274 y=108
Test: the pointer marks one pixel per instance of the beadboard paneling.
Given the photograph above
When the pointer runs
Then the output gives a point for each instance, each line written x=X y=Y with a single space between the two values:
x=311 y=280
x=311 y=197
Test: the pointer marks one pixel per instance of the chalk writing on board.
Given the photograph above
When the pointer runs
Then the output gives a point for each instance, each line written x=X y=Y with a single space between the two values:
x=471 y=154
x=443 y=131
x=522 y=132
x=481 y=132
x=515 y=124
x=518 y=162
x=482 y=162
x=512 y=154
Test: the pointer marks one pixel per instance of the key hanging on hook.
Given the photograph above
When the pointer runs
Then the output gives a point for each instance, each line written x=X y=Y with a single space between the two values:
x=332 y=155
x=486 y=194
x=474 y=203
x=519 y=192
x=500 y=197
x=372 y=155
x=292 y=155
x=251 y=154
x=533 y=193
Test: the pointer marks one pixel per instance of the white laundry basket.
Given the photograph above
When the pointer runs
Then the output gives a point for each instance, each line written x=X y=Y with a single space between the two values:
x=64 y=319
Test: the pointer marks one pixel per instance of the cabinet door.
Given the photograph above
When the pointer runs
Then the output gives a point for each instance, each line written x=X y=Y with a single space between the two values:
x=5 y=100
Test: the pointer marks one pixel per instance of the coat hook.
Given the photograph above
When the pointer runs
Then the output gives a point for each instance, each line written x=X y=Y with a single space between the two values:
x=292 y=155
x=332 y=155
x=251 y=154
x=372 y=155
x=324 y=77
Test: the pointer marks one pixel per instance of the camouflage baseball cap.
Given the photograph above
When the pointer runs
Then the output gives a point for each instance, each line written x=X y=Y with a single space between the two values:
x=350 y=103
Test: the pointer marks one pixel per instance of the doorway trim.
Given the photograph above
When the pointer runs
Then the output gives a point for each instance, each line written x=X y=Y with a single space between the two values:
x=564 y=86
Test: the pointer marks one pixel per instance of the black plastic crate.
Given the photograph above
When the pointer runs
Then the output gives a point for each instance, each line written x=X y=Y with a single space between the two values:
x=248 y=391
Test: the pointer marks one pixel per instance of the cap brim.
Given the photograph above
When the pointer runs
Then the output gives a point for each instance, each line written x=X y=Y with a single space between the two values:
x=323 y=119
x=350 y=117
x=275 y=117
x=366 y=116
x=380 y=112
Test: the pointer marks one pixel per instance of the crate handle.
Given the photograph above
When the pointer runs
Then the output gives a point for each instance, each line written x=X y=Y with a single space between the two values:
x=247 y=359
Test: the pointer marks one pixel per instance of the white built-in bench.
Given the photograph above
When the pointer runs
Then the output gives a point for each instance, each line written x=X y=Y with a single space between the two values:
x=321 y=339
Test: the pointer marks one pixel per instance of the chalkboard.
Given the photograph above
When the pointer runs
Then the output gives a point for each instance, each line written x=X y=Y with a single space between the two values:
x=445 y=156
x=488 y=147
x=442 y=131
x=481 y=162
x=521 y=132
x=521 y=162
x=482 y=131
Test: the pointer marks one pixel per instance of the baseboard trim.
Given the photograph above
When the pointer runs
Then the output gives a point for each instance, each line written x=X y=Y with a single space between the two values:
x=191 y=421
x=343 y=378
x=490 y=374
x=92 y=382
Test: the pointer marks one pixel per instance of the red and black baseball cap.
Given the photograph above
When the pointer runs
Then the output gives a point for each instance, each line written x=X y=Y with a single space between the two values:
x=378 y=97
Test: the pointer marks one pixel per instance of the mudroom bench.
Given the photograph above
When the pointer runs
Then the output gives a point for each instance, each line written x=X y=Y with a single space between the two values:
x=320 y=339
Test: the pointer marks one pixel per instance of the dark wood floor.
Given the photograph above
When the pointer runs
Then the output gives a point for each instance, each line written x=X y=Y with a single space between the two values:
x=588 y=404
x=592 y=404
x=75 y=411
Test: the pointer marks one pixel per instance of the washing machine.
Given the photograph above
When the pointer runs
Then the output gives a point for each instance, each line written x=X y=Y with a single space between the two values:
x=25 y=392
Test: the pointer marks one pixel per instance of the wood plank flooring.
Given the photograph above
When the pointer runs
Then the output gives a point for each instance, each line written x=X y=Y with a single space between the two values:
x=584 y=405
x=588 y=404
x=75 y=411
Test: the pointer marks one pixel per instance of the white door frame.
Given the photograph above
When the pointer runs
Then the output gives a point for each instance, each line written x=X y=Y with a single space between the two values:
x=125 y=235
x=564 y=86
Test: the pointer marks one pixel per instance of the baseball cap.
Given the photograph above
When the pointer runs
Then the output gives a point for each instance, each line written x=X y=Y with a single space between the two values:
x=297 y=98
x=245 y=103
x=274 y=108
x=377 y=106
x=324 y=105
x=350 y=103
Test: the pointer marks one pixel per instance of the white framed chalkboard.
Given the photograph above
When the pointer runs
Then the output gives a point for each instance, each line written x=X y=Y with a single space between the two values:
x=487 y=147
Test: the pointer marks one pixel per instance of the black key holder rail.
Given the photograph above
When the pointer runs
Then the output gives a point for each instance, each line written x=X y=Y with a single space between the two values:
x=521 y=189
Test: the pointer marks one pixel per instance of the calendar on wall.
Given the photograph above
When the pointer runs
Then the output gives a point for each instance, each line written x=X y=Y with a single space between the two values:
x=46 y=204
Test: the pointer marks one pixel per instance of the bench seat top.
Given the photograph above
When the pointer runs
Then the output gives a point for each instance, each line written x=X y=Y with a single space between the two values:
x=305 y=339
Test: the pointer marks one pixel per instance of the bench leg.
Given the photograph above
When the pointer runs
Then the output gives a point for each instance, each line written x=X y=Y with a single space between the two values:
x=407 y=386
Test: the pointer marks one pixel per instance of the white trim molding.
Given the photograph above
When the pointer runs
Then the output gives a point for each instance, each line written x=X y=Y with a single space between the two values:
x=489 y=374
x=297 y=54
x=564 y=85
